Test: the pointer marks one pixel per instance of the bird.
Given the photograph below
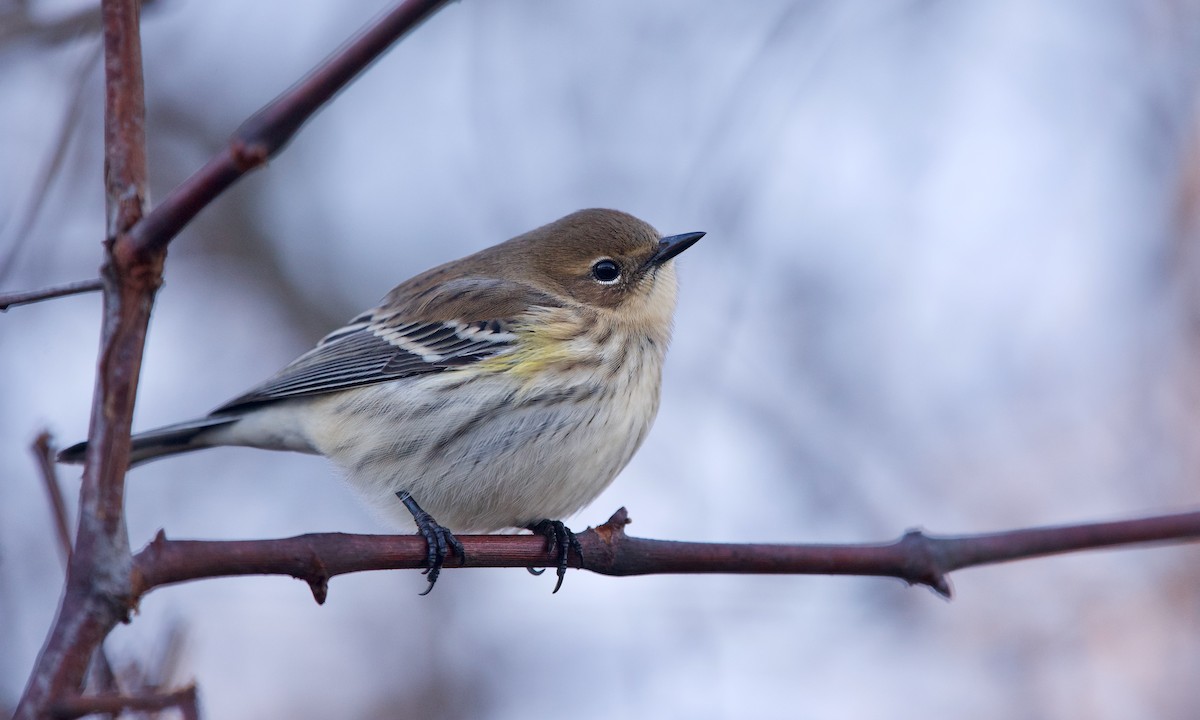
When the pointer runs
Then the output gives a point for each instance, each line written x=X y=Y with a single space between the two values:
x=503 y=390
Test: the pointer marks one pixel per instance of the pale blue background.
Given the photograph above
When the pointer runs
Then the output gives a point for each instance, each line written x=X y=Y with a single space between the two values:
x=950 y=281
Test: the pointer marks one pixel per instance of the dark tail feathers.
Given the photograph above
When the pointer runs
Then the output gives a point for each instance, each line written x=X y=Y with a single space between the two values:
x=158 y=443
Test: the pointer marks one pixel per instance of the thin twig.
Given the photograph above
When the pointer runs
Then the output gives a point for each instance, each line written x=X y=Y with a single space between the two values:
x=43 y=451
x=8 y=300
x=103 y=677
x=915 y=558
x=50 y=171
x=112 y=704
x=162 y=667
x=19 y=24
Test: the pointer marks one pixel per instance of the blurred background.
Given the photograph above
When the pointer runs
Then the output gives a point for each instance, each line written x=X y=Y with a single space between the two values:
x=950 y=280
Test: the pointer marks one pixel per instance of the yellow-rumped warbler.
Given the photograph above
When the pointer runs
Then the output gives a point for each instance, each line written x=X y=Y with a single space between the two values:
x=502 y=390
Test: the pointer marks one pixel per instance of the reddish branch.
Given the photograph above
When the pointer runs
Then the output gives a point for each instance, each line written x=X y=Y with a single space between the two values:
x=98 y=574
x=915 y=558
x=43 y=452
x=98 y=587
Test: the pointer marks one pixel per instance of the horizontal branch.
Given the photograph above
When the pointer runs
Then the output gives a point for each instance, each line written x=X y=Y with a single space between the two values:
x=916 y=558
x=8 y=300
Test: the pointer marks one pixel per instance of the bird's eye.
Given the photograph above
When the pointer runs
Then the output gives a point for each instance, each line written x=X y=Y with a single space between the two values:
x=606 y=271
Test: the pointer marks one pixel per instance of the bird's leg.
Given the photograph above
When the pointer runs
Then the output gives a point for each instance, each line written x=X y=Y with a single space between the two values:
x=437 y=539
x=560 y=537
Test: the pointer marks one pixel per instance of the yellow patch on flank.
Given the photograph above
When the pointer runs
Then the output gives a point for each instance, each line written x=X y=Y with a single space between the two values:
x=542 y=343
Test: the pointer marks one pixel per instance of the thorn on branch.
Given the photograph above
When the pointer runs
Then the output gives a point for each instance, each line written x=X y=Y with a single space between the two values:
x=139 y=584
x=247 y=155
x=614 y=529
x=923 y=565
x=317 y=578
x=916 y=558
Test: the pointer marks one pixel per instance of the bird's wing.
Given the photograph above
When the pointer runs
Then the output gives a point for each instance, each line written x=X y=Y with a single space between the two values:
x=451 y=325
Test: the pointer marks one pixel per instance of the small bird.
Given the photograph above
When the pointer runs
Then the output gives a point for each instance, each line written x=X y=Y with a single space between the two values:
x=502 y=390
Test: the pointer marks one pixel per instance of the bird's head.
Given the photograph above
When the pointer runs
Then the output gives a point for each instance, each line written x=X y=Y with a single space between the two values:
x=604 y=259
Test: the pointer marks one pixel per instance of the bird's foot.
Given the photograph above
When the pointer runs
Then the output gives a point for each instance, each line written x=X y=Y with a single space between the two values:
x=560 y=537
x=438 y=540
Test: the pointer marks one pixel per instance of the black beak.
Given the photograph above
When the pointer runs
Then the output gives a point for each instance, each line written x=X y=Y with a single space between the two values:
x=669 y=247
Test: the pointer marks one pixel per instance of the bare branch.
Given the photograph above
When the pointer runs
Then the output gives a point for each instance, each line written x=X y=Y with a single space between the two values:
x=43 y=451
x=8 y=300
x=915 y=558
x=98 y=575
x=98 y=592
x=112 y=704
x=268 y=130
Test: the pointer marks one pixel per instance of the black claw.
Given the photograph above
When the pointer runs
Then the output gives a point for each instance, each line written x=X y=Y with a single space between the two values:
x=560 y=537
x=438 y=540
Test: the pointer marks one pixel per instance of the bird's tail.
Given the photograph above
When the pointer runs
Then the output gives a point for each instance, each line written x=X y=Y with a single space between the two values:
x=164 y=441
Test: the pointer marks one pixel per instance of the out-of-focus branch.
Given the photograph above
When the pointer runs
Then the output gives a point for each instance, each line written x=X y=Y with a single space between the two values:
x=154 y=670
x=268 y=130
x=43 y=452
x=915 y=558
x=113 y=704
x=8 y=300
x=18 y=24
x=53 y=166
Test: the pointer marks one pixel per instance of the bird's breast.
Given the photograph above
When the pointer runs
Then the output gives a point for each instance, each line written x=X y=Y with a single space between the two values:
x=488 y=447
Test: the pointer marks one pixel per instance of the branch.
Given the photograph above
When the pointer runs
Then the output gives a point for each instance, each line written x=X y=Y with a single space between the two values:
x=18 y=24
x=98 y=589
x=272 y=127
x=98 y=574
x=114 y=704
x=916 y=558
x=53 y=166
x=8 y=300
x=43 y=452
